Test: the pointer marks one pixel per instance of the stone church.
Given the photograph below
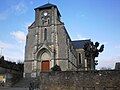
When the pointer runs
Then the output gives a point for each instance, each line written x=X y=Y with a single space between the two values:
x=48 y=44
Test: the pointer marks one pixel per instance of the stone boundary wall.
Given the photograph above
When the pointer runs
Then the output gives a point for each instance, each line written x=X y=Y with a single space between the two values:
x=14 y=88
x=82 y=80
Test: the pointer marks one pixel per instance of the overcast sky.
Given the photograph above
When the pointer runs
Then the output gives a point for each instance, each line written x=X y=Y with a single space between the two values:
x=98 y=20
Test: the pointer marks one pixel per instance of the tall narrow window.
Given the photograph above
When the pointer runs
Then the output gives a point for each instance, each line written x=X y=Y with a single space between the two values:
x=79 y=58
x=45 y=34
x=42 y=22
x=48 y=21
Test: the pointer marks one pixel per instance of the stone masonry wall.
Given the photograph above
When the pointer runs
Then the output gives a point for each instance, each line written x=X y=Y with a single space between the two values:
x=86 y=80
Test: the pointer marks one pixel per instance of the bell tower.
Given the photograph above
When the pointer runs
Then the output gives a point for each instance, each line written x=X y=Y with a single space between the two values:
x=42 y=40
x=46 y=15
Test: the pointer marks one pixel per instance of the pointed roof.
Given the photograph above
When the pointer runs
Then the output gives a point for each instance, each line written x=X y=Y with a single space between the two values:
x=47 y=6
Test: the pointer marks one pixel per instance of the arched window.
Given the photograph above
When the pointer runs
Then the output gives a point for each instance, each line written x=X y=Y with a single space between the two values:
x=45 y=34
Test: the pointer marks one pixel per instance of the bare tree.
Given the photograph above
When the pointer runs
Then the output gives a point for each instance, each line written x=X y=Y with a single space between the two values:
x=92 y=51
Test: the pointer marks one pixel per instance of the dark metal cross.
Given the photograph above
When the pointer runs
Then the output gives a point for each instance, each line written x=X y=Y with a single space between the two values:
x=48 y=1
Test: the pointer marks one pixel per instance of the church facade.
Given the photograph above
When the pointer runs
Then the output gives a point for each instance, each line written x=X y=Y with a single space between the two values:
x=48 y=44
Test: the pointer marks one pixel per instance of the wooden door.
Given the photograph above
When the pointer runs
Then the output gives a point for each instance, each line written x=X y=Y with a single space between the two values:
x=45 y=67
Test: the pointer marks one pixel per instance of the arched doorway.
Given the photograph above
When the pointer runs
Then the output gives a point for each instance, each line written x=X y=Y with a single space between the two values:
x=45 y=62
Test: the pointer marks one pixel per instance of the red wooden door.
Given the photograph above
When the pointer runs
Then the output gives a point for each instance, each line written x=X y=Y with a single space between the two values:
x=45 y=67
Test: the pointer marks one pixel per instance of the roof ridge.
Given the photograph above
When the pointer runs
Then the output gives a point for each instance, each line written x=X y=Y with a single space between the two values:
x=47 y=5
x=82 y=40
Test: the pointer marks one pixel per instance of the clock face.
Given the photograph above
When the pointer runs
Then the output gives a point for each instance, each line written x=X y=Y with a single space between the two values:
x=45 y=17
x=45 y=13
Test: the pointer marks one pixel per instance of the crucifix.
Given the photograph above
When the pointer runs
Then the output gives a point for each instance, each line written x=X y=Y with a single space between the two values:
x=48 y=1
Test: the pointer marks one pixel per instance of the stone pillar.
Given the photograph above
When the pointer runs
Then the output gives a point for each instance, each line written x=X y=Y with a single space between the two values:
x=117 y=66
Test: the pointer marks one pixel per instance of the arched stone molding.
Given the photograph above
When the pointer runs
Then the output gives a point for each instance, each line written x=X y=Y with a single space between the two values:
x=42 y=49
x=42 y=53
x=43 y=56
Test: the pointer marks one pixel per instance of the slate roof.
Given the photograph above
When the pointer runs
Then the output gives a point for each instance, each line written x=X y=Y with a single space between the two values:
x=80 y=43
x=47 y=6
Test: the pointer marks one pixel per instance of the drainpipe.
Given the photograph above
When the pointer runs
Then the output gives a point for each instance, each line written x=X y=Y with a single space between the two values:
x=54 y=53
